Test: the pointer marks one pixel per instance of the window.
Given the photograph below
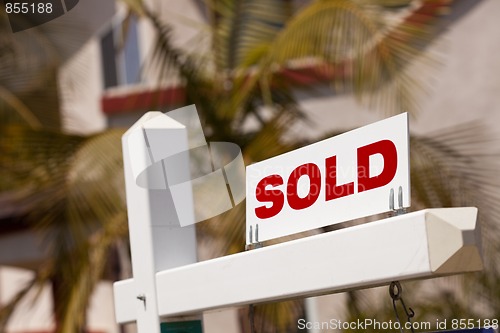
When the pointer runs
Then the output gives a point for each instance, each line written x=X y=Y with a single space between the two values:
x=120 y=56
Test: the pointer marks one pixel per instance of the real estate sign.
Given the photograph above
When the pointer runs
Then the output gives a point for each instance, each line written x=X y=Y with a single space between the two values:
x=342 y=178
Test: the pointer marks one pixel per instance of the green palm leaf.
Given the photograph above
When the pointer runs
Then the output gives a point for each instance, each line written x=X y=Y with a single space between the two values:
x=243 y=27
x=347 y=40
x=72 y=190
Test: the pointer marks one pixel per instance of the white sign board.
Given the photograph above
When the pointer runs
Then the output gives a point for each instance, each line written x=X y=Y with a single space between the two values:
x=335 y=180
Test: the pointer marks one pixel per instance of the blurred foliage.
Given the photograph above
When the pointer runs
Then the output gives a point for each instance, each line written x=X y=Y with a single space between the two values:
x=66 y=187
x=70 y=188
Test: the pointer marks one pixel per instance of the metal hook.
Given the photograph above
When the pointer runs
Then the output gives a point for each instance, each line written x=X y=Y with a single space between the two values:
x=251 y=317
x=396 y=292
x=253 y=244
x=400 y=197
x=392 y=202
x=142 y=298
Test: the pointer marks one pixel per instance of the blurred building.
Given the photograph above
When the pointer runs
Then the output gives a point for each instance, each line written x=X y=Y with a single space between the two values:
x=107 y=83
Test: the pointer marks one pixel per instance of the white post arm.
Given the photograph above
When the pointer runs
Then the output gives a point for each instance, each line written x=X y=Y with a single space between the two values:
x=423 y=244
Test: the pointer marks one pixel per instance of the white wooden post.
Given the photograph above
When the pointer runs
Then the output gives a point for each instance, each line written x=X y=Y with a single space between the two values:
x=169 y=170
x=157 y=241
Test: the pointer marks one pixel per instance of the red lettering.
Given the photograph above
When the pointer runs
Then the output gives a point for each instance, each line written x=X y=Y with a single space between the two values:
x=332 y=190
x=314 y=174
x=276 y=197
x=388 y=151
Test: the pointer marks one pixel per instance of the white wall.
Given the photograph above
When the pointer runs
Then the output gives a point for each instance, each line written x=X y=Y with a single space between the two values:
x=28 y=316
x=186 y=21
x=224 y=320
x=81 y=85
x=463 y=87
x=101 y=313
x=468 y=84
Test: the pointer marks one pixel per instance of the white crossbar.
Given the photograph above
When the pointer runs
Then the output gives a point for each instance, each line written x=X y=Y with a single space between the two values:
x=422 y=244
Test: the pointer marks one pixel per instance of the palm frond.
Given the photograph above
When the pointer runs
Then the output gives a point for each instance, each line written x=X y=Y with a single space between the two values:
x=223 y=103
x=18 y=112
x=72 y=187
x=75 y=283
x=243 y=27
x=28 y=72
x=346 y=39
x=454 y=168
